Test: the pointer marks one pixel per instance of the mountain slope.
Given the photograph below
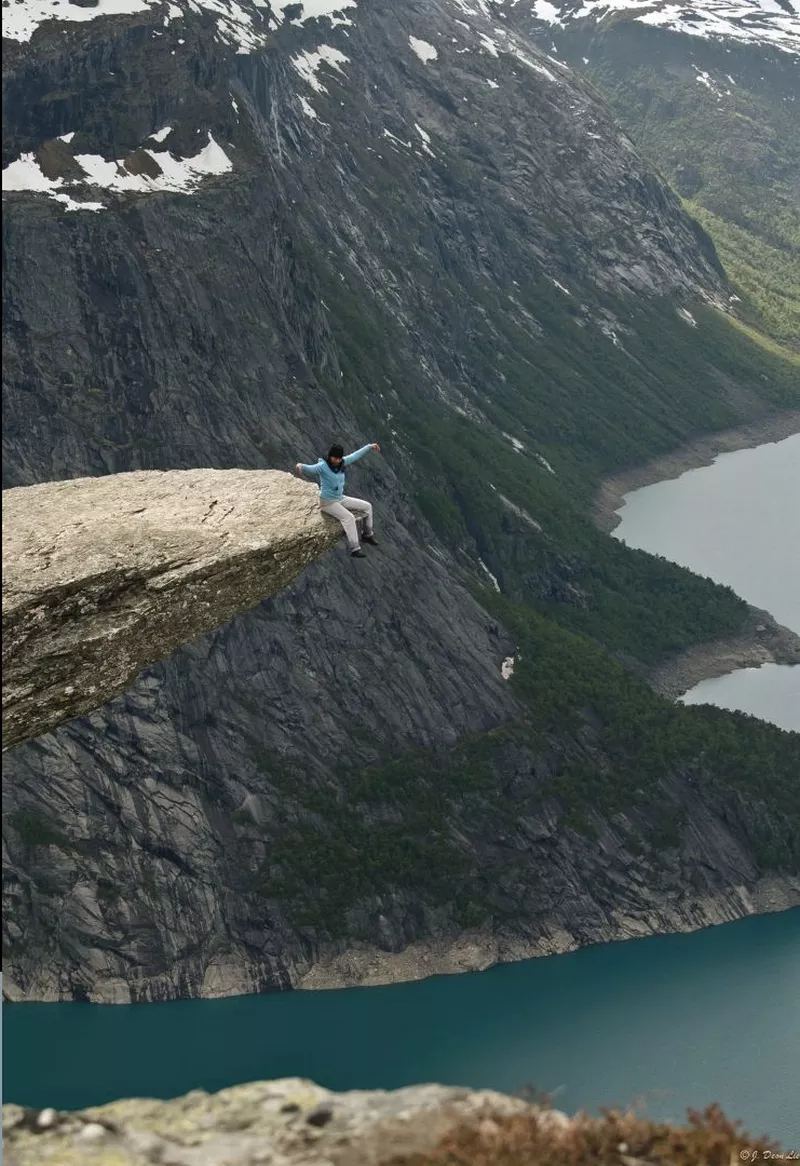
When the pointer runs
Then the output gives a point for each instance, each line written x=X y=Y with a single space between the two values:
x=709 y=93
x=407 y=224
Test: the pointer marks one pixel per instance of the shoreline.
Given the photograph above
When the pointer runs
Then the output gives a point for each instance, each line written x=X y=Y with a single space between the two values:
x=703 y=451
x=761 y=639
x=366 y=967
x=474 y=951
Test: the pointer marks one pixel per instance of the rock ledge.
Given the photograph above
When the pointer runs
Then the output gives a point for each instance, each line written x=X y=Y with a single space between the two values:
x=104 y=576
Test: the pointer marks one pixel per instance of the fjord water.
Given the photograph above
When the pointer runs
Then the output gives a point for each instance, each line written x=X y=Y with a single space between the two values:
x=771 y=692
x=678 y=1020
x=737 y=521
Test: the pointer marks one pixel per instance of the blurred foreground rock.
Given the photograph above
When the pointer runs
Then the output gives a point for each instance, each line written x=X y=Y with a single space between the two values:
x=293 y=1122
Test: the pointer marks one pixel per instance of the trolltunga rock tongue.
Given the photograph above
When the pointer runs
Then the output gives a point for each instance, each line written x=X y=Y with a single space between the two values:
x=104 y=576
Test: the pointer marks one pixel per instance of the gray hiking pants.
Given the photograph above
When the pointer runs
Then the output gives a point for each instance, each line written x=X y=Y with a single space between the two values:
x=347 y=510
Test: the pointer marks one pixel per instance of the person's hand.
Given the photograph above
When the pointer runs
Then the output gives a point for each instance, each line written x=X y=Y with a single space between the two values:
x=298 y=470
x=376 y=447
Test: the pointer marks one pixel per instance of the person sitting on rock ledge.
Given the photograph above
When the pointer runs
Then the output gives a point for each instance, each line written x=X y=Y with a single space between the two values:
x=333 y=500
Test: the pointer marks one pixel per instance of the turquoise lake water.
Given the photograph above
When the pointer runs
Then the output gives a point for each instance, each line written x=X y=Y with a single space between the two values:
x=738 y=522
x=677 y=1020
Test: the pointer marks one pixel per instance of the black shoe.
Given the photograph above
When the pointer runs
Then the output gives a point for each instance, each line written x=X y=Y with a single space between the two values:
x=369 y=538
x=358 y=554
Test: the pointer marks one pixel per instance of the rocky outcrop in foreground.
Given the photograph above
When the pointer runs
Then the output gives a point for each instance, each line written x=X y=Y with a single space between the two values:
x=104 y=576
x=296 y=1123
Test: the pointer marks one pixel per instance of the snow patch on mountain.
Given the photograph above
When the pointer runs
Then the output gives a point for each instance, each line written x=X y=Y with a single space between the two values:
x=173 y=174
x=243 y=23
x=755 y=21
x=314 y=9
x=493 y=578
x=472 y=7
x=547 y=11
x=307 y=64
x=26 y=174
x=426 y=52
x=70 y=204
x=308 y=109
x=426 y=139
x=388 y=134
x=529 y=61
x=528 y=519
x=20 y=21
x=705 y=79
x=177 y=174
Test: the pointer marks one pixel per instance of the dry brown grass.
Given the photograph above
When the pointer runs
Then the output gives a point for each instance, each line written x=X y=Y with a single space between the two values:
x=616 y=1139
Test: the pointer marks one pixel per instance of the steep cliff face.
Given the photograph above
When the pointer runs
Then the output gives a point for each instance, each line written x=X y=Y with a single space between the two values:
x=403 y=222
x=709 y=93
x=410 y=183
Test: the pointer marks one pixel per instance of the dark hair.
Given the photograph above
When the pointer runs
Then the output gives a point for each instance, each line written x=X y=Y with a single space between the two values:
x=335 y=451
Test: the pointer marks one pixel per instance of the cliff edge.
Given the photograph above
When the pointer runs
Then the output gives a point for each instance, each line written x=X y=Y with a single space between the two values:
x=104 y=576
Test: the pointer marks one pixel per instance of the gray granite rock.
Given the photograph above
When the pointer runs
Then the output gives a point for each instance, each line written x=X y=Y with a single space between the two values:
x=104 y=576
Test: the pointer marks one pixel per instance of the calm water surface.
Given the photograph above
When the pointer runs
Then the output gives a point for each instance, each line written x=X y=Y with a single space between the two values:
x=771 y=692
x=680 y=1020
x=737 y=521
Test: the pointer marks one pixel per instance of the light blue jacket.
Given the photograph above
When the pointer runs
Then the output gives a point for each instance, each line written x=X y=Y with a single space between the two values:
x=331 y=483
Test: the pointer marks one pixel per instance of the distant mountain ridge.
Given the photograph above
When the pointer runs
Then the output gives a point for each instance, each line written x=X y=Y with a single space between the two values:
x=775 y=23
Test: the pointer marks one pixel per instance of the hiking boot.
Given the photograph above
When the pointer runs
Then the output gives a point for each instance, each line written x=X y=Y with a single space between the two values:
x=357 y=554
x=369 y=538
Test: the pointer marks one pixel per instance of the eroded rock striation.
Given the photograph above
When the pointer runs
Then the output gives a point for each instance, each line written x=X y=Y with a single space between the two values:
x=104 y=576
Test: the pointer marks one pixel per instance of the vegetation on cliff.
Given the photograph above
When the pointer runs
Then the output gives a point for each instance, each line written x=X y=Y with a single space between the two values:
x=608 y=749
x=616 y=1139
x=719 y=121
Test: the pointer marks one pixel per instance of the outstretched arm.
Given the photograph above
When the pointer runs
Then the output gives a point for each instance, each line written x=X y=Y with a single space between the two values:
x=302 y=469
x=353 y=457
